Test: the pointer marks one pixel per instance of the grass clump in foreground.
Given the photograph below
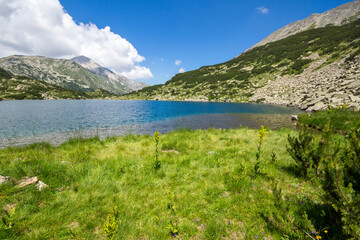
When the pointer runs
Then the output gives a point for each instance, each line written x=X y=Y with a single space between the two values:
x=202 y=186
x=341 y=119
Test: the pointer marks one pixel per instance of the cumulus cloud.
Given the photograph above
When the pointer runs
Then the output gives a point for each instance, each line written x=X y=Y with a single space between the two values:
x=182 y=70
x=263 y=10
x=33 y=27
x=178 y=62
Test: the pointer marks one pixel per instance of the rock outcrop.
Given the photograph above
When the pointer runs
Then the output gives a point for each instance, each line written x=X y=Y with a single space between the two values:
x=333 y=85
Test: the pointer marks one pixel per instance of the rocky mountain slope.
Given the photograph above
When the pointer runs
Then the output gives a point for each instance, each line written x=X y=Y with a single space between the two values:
x=341 y=15
x=127 y=84
x=21 y=87
x=333 y=85
x=64 y=73
x=312 y=69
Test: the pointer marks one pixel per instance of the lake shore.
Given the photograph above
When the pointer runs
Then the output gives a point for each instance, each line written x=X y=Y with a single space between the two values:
x=55 y=121
x=202 y=121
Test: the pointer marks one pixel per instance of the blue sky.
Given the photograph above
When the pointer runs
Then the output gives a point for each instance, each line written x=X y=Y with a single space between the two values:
x=195 y=32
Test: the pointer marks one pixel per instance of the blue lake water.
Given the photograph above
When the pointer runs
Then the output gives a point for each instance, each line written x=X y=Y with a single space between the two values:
x=23 y=122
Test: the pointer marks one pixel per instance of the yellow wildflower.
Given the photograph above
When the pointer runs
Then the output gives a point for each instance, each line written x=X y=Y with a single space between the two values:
x=156 y=136
x=318 y=237
x=326 y=231
x=262 y=133
x=110 y=226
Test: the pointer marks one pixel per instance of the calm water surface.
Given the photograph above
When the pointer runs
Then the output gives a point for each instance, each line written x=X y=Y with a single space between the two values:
x=54 y=121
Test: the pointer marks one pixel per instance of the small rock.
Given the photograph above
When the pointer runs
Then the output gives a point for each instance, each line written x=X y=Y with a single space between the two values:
x=73 y=225
x=354 y=98
x=40 y=185
x=318 y=106
x=347 y=82
x=336 y=102
x=313 y=101
x=28 y=181
x=354 y=84
x=294 y=117
x=341 y=96
x=3 y=179
x=170 y=151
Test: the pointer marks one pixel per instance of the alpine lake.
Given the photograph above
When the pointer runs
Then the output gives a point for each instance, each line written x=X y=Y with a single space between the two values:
x=55 y=121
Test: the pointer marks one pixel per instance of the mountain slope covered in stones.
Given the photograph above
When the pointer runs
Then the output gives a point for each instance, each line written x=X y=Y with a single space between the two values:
x=64 y=73
x=312 y=69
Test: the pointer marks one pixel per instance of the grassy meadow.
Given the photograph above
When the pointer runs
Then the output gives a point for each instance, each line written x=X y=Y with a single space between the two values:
x=202 y=184
x=341 y=119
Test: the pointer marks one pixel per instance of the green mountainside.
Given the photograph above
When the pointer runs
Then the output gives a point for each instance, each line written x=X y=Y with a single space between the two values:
x=64 y=73
x=243 y=77
x=21 y=87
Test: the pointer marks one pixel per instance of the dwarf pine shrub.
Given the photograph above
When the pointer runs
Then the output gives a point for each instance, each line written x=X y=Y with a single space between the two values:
x=306 y=151
x=334 y=168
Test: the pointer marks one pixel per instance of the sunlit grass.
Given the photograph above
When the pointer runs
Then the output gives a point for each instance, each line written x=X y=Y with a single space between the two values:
x=208 y=173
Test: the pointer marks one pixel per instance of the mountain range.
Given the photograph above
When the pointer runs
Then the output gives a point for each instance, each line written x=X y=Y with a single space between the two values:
x=21 y=87
x=79 y=74
x=311 y=64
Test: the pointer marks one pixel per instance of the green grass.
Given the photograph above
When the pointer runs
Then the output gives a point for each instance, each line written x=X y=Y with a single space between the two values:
x=205 y=188
x=340 y=119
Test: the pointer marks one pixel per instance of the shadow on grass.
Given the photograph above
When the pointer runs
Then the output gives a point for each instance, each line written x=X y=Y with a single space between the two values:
x=293 y=171
x=322 y=217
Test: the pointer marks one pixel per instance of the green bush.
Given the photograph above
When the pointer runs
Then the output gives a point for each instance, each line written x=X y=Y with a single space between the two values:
x=338 y=181
x=305 y=150
x=4 y=74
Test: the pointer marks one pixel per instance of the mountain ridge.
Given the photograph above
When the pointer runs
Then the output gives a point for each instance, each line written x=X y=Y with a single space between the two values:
x=340 y=15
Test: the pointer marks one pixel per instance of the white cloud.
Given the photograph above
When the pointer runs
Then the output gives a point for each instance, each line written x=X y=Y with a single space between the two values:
x=263 y=10
x=138 y=72
x=182 y=70
x=33 y=27
x=178 y=62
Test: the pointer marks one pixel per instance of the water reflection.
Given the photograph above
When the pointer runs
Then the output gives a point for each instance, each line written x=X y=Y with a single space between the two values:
x=201 y=121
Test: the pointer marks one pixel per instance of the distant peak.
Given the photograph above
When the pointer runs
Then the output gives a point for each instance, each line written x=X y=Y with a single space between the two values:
x=81 y=59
